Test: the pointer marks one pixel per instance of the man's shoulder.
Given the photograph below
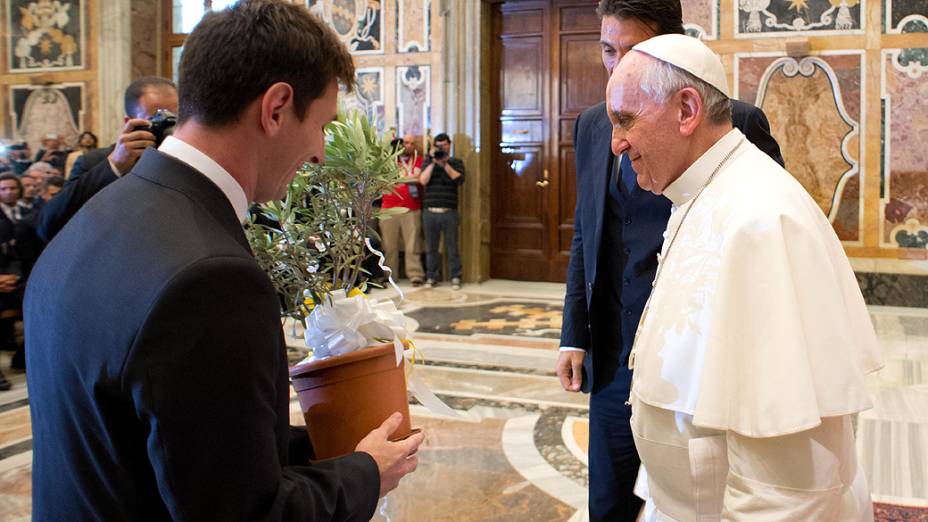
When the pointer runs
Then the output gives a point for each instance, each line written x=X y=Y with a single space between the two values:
x=595 y=115
x=741 y=110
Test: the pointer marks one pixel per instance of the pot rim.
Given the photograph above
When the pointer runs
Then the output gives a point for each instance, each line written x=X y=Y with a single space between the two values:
x=361 y=354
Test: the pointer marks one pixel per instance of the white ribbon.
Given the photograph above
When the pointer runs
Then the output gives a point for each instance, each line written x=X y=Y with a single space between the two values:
x=347 y=324
x=382 y=263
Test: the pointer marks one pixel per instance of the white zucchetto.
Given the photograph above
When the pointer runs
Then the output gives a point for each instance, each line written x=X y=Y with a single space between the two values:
x=689 y=54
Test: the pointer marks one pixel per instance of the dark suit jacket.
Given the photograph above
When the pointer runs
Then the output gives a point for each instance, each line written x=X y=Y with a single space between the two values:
x=83 y=183
x=157 y=370
x=19 y=245
x=606 y=331
x=89 y=160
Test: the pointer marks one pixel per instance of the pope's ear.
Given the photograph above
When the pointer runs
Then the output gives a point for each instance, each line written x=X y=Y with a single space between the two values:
x=274 y=104
x=691 y=110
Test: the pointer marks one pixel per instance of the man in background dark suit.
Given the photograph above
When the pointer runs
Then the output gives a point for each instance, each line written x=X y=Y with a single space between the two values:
x=157 y=370
x=97 y=168
x=618 y=233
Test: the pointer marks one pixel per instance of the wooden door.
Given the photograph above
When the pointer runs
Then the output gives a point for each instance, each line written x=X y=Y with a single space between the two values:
x=547 y=55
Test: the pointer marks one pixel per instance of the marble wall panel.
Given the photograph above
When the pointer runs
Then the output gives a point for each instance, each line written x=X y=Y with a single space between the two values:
x=413 y=25
x=904 y=192
x=790 y=17
x=413 y=100
x=45 y=36
x=814 y=107
x=37 y=110
x=369 y=95
x=358 y=23
x=701 y=18
x=905 y=16
x=145 y=38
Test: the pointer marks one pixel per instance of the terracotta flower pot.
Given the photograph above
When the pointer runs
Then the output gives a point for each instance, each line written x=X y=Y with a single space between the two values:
x=346 y=396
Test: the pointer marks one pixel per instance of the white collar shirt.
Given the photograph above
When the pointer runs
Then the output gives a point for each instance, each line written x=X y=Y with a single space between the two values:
x=180 y=150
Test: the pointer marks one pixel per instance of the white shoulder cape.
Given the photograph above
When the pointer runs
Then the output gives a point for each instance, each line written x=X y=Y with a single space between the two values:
x=757 y=325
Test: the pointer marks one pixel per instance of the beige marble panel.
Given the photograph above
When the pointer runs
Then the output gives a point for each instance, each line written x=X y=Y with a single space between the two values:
x=15 y=425
x=810 y=130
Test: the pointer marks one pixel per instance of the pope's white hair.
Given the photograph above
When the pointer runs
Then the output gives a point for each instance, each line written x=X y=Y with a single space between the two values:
x=661 y=80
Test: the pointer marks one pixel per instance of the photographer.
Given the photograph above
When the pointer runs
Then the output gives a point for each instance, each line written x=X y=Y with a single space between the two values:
x=17 y=156
x=441 y=176
x=51 y=152
x=146 y=124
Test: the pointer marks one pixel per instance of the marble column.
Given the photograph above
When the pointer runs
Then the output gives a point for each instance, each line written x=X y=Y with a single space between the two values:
x=467 y=116
x=115 y=68
x=146 y=38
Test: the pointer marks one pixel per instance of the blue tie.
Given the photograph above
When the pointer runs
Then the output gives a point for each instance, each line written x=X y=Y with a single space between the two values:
x=629 y=178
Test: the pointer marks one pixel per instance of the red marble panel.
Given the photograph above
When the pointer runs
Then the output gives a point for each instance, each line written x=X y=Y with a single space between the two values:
x=905 y=203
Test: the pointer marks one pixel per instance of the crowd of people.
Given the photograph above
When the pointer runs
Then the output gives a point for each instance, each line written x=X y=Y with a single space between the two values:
x=27 y=183
x=429 y=192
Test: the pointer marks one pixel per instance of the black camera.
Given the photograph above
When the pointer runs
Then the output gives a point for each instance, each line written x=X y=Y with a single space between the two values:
x=440 y=155
x=161 y=124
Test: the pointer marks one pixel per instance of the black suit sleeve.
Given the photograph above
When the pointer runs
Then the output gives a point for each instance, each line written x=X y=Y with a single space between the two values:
x=207 y=375
x=574 y=330
x=79 y=168
x=754 y=125
x=79 y=188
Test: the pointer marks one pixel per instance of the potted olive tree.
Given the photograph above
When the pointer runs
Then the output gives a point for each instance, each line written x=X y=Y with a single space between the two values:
x=312 y=245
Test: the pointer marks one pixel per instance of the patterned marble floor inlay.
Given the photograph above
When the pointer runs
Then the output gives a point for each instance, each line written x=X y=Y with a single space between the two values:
x=518 y=451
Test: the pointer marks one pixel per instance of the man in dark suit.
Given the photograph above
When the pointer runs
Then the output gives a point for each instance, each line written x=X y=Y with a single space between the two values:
x=97 y=168
x=157 y=370
x=618 y=233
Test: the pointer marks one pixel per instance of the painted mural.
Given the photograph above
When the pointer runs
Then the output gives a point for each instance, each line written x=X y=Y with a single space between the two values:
x=39 y=110
x=413 y=100
x=369 y=95
x=358 y=23
x=783 y=17
x=814 y=108
x=45 y=35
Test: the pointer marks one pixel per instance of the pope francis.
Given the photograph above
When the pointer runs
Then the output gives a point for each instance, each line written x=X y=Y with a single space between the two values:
x=750 y=356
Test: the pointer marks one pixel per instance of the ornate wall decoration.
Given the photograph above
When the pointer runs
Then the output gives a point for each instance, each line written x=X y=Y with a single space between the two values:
x=701 y=18
x=369 y=95
x=413 y=100
x=905 y=16
x=814 y=107
x=413 y=25
x=45 y=35
x=778 y=17
x=904 y=172
x=359 y=23
x=38 y=110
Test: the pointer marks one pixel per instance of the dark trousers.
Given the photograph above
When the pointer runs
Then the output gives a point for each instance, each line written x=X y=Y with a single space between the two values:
x=612 y=456
x=435 y=224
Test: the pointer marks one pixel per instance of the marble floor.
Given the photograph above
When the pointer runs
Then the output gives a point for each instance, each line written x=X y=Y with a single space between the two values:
x=517 y=449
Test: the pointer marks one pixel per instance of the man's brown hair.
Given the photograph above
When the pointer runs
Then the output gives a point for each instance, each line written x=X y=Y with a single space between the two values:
x=234 y=55
x=663 y=16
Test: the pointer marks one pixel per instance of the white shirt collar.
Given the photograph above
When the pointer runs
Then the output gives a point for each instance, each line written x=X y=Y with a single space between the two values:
x=192 y=156
x=693 y=178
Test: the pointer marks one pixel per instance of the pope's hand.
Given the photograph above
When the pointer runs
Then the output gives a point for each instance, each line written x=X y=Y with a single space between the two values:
x=394 y=460
x=569 y=369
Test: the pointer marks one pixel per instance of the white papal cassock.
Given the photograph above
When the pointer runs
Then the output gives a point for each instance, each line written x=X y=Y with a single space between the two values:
x=751 y=357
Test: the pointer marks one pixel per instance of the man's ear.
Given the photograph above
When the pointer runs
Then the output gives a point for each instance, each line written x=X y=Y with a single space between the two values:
x=691 y=110
x=276 y=101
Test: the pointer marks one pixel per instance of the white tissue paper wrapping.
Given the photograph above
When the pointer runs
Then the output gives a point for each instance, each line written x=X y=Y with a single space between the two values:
x=347 y=324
